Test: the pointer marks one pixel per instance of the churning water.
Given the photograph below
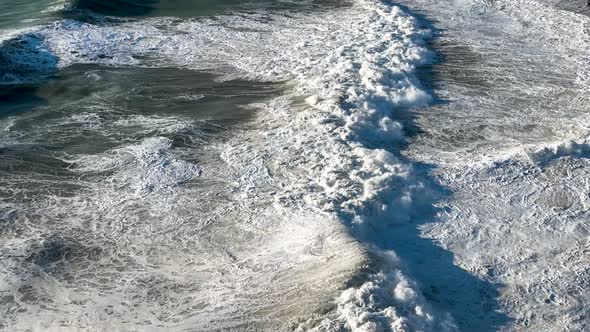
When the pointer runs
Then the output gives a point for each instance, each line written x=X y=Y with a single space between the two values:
x=293 y=165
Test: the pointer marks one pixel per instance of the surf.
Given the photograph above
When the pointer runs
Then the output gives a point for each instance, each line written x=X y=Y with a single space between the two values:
x=202 y=224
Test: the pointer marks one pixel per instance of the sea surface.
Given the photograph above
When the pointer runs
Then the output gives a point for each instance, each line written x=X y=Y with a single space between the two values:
x=313 y=165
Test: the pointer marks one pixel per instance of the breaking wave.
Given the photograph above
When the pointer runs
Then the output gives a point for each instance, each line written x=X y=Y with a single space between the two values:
x=325 y=158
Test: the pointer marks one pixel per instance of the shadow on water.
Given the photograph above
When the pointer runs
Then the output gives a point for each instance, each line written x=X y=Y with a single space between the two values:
x=473 y=302
x=24 y=63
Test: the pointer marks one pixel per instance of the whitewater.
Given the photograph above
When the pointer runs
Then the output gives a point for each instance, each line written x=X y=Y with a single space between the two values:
x=377 y=166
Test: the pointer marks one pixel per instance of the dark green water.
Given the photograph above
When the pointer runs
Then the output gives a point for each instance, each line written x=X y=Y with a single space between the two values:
x=111 y=94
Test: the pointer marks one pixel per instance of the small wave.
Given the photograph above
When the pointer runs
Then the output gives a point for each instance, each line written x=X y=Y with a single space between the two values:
x=143 y=168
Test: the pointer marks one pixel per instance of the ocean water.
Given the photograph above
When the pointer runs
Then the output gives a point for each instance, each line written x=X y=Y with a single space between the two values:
x=315 y=165
x=159 y=171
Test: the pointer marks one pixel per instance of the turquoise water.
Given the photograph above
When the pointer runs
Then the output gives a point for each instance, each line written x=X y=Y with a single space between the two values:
x=17 y=14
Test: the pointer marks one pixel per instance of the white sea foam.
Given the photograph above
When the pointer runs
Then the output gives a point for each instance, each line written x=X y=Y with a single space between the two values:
x=511 y=146
x=146 y=166
x=328 y=166
x=568 y=32
x=356 y=82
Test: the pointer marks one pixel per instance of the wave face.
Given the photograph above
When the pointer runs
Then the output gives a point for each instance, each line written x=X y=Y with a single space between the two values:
x=141 y=192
